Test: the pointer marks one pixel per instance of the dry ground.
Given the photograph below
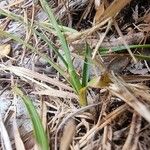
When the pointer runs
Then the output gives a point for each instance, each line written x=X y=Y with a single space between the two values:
x=118 y=113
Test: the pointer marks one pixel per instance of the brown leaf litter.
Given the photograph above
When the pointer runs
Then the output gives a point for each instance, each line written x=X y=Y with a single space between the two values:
x=118 y=113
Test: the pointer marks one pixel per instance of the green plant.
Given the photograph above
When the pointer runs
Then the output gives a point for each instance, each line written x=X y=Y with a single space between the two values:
x=72 y=76
x=122 y=48
x=39 y=133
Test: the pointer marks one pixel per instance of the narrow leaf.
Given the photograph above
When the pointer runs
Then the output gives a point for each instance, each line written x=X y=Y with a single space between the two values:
x=121 y=48
x=73 y=75
x=39 y=133
x=86 y=66
x=32 y=28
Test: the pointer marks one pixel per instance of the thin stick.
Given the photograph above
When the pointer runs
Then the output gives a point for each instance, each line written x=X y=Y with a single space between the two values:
x=70 y=116
x=101 y=39
x=124 y=42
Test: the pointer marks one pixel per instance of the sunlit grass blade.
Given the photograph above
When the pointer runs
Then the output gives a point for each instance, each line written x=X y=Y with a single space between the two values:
x=86 y=66
x=39 y=133
x=74 y=78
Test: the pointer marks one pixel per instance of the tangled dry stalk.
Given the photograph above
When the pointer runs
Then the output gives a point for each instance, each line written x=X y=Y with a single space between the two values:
x=117 y=115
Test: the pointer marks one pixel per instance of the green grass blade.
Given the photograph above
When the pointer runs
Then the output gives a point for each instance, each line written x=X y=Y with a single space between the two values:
x=62 y=39
x=86 y=66
x=121 y=48
x=74 y=78
x=49 y=27
x=105 y=51
x=142 y=57
x=39 y=133
x=45 y=25
x=54 y=65
x=42 y=36
x=17 y=39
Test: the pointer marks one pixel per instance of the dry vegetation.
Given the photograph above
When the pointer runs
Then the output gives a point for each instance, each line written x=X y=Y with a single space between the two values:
x=117 y=112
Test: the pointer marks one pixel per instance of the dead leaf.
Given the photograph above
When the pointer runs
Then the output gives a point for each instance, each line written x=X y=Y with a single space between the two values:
x=100 y=82
x=115 y=7
x=118 y=64
x=122 y=90
x=99 y=11
x=17 y=138
x=104 y=80
x=67 y=136
x=147 y=18
x=4 y=50
x=97 y=3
